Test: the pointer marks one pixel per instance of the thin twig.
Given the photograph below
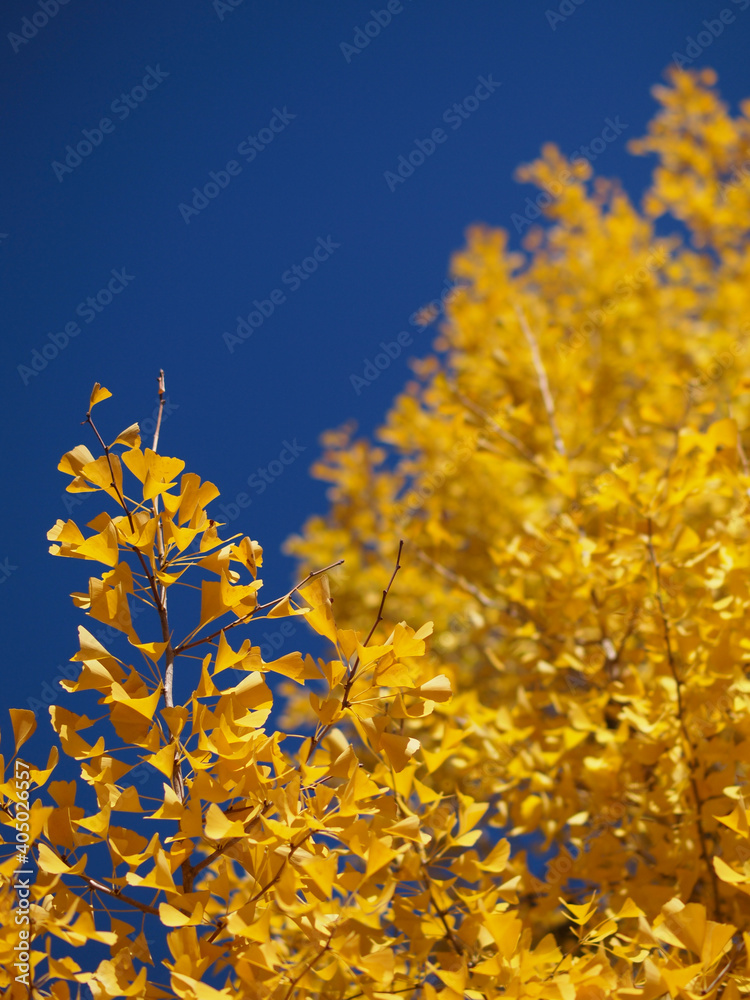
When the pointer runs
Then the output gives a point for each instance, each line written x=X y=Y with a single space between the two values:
x=455 y=943
x=384 y=598
x=541 y=375
x=426 y=881
x=353 y=669
x=401 y=989
x=96 y=886
x=178 y=780
x=217 y=853
x=162 y=399
x=158 y=592
x=144 y=565
x=690 y=753
x=461 y=582
x=501 y=432
x=629 y=629
x=259 y=607
x=352 y=674
x=313 y=961
x=100 y=887
x=740 y=447
x=115 y=487
x=271 y=882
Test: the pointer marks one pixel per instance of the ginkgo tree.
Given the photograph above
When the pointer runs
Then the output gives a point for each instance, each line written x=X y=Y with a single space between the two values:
x=569 y=472
x=567 y=501
x=277 y=858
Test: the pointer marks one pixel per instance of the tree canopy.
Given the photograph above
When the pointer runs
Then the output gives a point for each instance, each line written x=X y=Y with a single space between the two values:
x=520 y=770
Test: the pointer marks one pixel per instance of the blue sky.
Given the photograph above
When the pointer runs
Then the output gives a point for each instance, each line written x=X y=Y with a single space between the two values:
x=214 y=189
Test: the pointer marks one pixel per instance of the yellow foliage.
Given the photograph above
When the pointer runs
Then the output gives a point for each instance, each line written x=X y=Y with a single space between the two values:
x=570 y=481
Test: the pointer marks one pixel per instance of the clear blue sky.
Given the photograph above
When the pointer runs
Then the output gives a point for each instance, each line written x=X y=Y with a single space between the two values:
x=312 y=130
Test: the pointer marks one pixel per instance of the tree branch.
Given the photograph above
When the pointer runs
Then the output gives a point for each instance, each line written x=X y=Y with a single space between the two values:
x=178 y=780
x=260 y=607
x=352 y=671
x=541 y=375
x=506 y=435
x=689 y=750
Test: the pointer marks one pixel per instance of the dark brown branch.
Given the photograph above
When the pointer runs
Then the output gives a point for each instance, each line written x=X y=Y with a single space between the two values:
x=162 y=400
x=352 y=671
x=689 y=749
x=260 y=607
x=455 y=943
x=272 y=882
x=114 y=894
x=313 y=961
x=352 y=674
x=217 y=852
x=384 y=598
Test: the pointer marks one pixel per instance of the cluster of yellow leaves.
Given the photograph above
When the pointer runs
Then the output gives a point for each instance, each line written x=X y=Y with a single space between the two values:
x=572 y=486
x=570 y=475
x=267 y=864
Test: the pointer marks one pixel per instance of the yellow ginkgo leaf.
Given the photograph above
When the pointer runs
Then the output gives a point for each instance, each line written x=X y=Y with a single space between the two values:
x=98 y=393
x=581 y=912
x=24 y=724
x=54 y=865
x=130 y=437
x=399 y=749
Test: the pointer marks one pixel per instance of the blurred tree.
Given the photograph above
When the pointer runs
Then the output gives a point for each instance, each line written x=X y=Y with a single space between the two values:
x=569 y=479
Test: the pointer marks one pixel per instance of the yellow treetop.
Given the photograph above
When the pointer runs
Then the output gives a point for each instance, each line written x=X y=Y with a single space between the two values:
x=570 y=481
